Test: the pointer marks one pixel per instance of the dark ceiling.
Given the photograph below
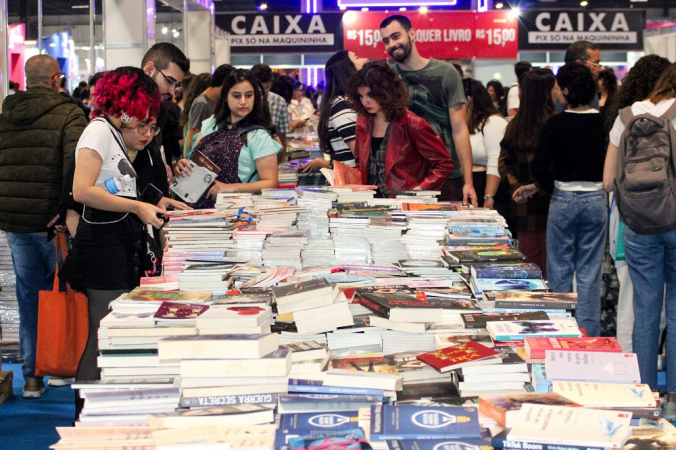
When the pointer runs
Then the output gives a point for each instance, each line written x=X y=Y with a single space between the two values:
x=28 y=8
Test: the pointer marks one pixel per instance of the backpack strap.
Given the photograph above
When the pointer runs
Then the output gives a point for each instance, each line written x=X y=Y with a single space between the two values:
x=669 y=113
x=626 y=115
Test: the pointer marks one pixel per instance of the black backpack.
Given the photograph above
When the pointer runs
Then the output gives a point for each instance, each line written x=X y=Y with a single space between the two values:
x=645 y=187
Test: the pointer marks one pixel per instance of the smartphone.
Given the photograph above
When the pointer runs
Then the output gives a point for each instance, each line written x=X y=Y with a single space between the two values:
x=151 y=195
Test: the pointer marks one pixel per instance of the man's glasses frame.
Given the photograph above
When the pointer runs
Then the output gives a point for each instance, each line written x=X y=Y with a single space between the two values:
x=173 y=84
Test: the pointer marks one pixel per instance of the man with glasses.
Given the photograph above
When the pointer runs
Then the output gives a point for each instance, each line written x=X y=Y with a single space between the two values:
x=167 y=65
x=589 y=54
x=38 y=132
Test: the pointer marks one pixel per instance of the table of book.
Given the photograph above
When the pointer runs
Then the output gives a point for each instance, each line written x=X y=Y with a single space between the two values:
x=301 y=318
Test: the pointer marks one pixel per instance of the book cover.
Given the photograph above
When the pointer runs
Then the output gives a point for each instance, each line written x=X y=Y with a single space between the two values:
x=499 y=284
x=147 y=294
x=502 y=441
x=450 y=340
x=606 y=395
x=193 y=187
x=482 y=443
x=590 y=366
x=534 y=300
x=478 y=320
x=519 y=330
x=504 y=408
x=408 y=365
x=510 y=362
x=468 y=256
x=320 y=421
x=298 y=291
x=419 y=422
x=405 y=308
x=536 y=346
x=350 y=439
x=460 y=355
x=553 y=425
x=171 y=311
x=377 y=364
x=506 y=270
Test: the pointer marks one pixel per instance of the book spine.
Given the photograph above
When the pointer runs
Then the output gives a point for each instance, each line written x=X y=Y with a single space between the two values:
x=640 y=413
x=300 y=389
x=499 y=444
x=381 y=310
x=493 y=411
x=413 y=436
x=537 y=306
x=228 y=400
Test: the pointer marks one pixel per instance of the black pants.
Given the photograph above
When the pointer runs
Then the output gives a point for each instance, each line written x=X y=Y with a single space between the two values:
x=98 y=308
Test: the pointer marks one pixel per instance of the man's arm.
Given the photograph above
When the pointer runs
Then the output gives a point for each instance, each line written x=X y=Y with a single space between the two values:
x=464 y=150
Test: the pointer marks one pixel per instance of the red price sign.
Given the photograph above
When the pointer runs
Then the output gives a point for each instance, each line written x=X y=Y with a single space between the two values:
x=440 y=35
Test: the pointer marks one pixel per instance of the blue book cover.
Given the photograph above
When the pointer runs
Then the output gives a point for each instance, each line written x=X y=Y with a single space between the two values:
x=319 y=421
x=330 y=440
x=317 y=387
x=420 y=422
x=483 y=443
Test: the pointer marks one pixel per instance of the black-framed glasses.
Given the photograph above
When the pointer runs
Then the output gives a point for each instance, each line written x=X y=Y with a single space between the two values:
x=173 y=84
x=143 y=128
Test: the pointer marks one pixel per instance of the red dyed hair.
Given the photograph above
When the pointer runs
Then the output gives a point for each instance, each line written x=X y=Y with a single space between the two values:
x=128 y=90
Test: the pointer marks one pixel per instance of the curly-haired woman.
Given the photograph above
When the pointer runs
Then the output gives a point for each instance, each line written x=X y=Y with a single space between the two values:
x=568 y=164
x=395 y=149
x=108 y=249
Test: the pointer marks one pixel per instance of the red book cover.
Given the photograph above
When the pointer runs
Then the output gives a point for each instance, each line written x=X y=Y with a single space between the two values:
x=461 y=355
x=180 y=311
x=536 y=346
x=200 y=159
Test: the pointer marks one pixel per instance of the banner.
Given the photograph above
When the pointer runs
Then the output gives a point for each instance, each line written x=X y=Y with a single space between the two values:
x=438 y=34
x=556 y=30
x=282 y=33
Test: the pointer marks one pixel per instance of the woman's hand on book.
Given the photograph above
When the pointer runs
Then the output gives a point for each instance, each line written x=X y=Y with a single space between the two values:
x=220 y=187
x=169 y=203
x=182 y=168
x=316 y=164
x=150 y=214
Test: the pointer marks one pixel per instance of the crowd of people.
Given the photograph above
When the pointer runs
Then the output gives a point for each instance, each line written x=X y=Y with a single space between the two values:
x=542 y=152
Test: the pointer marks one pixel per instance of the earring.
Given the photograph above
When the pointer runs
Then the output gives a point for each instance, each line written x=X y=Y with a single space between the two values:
x=125 y=118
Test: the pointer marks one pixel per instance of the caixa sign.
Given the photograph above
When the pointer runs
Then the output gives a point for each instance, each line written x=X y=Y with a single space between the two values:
x=556 y=30
x=271 y=33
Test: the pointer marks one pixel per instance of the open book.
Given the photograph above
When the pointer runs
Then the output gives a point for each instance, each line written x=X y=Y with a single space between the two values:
x=204 y=173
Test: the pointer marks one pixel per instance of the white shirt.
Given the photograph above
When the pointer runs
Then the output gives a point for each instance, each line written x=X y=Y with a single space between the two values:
x=644 y=107
x=100 y=136
x=486 y=145
x=513 y=97
x=301 y=110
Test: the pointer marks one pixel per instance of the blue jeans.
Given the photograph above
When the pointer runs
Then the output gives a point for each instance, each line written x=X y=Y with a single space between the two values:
x=576 y=238
x=34 y=261
x=652 y=263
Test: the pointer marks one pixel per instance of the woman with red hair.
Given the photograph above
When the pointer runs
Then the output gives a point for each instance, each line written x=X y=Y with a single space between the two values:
x=109 y=247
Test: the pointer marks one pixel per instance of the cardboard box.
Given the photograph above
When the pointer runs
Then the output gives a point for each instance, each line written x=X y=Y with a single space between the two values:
x=6 y=388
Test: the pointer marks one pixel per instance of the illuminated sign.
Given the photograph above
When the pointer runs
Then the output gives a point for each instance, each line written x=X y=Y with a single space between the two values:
x=385 y=3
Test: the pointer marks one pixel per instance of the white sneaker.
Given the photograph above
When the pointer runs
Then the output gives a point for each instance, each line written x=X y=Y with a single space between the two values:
x=60 y=381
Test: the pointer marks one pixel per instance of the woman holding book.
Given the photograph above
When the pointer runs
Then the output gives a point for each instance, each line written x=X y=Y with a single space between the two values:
x=395 y=149
x=568 y=164
x=337 y=120
x=487 y=128
x=651 y=258
x=238 y=140
x=109 y=251
x=530 y=205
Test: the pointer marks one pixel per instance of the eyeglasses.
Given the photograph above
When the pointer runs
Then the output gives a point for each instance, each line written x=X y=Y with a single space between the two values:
x=593 y=64
x=173 y=84
x=143 y=128
x=59 y=75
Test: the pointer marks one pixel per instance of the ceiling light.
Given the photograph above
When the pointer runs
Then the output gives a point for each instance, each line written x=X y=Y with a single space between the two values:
x=423 y=9
x=80 y=6
x=165 y=30
x=584 y=3
x=364 y=9
x=402 y=9
x=263 y=6
x=499 y=6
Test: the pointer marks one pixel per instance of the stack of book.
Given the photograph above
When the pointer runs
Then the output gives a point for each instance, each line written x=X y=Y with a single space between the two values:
x=508 y=375
x=228 y=369
x=204 y=437
x=307 y=357
x=381 y=233
x=249 y=246
x=235 y=318
x=317 y=202
x=351 y=246
x=283 y=249
x=312 y=305
x=318 y=252
x=424 y=238
x=124 y=403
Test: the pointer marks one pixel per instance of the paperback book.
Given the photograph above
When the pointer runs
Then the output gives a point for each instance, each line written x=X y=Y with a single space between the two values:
x=416 y=422
x=519 y=330
x=479 y=320
x=461 y=355
x=506 y=270
x=590 y=366
x=536 y=347
x=535 y=300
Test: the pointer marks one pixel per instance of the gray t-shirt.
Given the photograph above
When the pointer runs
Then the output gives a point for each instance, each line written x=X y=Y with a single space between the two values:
x=202 y=108
x=433 y=90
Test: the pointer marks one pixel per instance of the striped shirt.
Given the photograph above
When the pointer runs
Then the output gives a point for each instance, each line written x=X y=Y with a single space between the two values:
x=342 y=128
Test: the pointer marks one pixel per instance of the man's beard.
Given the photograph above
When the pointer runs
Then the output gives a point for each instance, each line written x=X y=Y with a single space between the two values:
x=400 y=58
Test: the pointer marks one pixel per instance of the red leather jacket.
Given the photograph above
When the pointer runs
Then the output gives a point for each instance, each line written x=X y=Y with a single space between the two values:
x=415 y=155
